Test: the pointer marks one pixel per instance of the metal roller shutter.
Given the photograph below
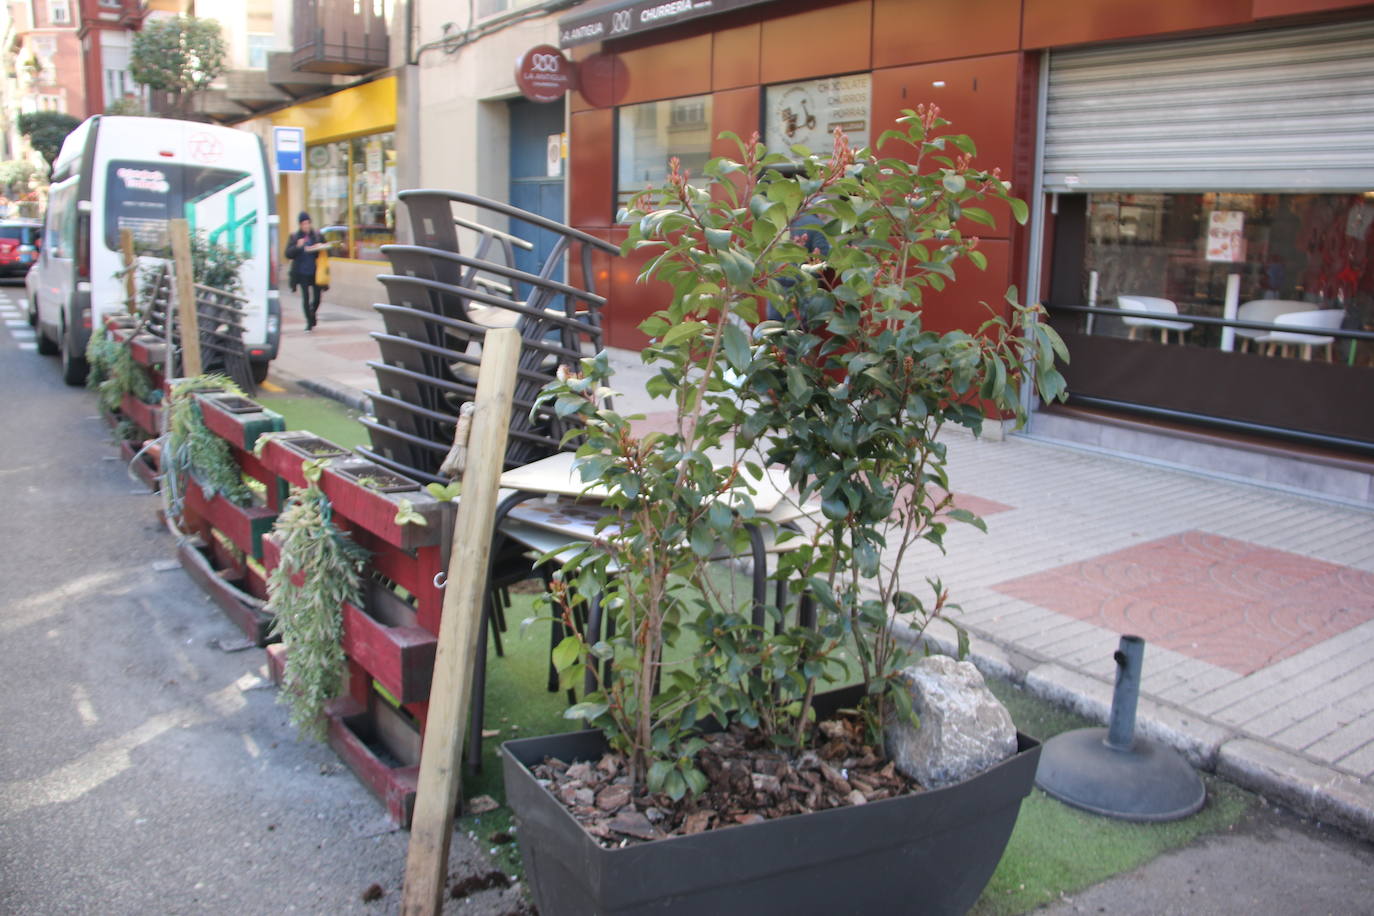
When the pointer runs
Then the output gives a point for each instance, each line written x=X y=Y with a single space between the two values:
x=1283 y=110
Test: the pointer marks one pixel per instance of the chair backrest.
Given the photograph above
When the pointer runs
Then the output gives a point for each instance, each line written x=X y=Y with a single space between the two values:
x=1146 y=304
x=1269 y=309
x=1324 y=319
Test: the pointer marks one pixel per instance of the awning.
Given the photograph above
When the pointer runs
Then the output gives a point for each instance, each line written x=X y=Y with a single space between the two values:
x=597 y=21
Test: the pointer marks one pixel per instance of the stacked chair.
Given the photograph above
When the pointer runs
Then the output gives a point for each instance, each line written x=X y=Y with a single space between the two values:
x=442 y=298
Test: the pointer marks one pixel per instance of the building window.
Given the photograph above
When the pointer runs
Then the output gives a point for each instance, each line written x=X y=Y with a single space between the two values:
x=652 y=133
x=350 y=188
x=1307 y=249
x=807 y=113
x=259 y=46
x=59 y=12
x=118 y=84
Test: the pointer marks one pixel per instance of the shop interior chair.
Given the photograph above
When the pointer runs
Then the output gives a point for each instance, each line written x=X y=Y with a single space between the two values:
x=1319 y=319
x=1152 y=304
x=1265 y=310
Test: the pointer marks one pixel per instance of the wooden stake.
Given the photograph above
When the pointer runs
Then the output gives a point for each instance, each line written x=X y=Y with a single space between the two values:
x=180 y=234
x=450 y=692
x=126 y=245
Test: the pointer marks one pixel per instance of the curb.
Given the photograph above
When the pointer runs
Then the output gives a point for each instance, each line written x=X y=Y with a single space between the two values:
x=1309 y=788
x=344 y=394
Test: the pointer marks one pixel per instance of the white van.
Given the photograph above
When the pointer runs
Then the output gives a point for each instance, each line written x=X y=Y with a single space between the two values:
x=117 y=173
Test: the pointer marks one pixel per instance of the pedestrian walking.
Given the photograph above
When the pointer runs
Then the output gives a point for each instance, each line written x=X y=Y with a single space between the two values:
x=309 y=266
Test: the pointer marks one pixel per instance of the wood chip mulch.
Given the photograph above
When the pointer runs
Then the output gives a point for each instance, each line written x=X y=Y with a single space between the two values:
x=748 y=783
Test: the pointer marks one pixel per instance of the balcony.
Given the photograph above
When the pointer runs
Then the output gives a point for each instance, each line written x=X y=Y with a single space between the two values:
x=339 y=36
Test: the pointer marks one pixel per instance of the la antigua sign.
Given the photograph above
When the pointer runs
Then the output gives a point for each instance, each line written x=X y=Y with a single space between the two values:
x=544 y=74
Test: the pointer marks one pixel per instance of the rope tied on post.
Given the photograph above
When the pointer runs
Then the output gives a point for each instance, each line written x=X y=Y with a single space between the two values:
x=456 y=461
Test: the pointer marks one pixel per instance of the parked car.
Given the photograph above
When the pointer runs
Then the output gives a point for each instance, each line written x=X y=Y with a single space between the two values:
x=18 y=245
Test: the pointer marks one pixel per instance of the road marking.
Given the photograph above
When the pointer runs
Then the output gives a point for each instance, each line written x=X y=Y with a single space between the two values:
x=268 y=386
x=28 y=346
x=16 y=322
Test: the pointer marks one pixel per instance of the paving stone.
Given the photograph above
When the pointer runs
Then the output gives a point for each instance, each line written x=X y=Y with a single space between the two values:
x=1361 y=762
x=1345 y=740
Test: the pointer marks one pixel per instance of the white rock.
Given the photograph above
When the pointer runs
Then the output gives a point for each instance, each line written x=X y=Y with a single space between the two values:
x=964 y=728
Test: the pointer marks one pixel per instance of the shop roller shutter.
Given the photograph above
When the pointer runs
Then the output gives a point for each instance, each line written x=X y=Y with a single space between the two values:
x=1282 y=110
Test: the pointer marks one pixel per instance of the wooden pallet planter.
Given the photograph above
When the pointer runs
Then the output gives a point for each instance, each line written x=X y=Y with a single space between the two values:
x=364 y=507
x=370 y=740
x=400 y=657
x=283 y=455
x=237 y=420
x=145 y=463
x=245 y=526
x=226 y=591
x=147 y=417
x=374 y=509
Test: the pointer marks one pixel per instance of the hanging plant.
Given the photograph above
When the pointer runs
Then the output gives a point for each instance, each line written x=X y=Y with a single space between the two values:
x=123 y=376
x=100 y=355
x=320 y=568
x=193 y=451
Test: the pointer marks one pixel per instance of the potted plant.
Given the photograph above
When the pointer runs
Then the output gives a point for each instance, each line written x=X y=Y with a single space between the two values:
x=794 y=338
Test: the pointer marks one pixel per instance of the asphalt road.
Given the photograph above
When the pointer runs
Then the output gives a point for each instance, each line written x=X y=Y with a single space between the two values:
x=143 y=768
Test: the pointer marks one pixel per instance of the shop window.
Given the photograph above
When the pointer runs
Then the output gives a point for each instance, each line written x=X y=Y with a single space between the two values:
x=652 y=133
x=1307 y=248
x=807 y=113
x=350 y=192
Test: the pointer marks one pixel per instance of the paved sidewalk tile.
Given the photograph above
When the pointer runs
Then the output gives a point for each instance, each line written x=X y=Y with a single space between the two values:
x=1228 y=602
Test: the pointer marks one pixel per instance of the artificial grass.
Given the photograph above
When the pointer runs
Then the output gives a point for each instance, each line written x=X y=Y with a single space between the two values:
x=321 y=416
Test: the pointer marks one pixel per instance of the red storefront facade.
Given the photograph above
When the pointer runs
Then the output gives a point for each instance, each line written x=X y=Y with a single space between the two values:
x=983 y=62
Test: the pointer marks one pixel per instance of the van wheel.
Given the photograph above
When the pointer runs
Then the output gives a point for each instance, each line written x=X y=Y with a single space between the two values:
x=259 y=368
x=73 y=366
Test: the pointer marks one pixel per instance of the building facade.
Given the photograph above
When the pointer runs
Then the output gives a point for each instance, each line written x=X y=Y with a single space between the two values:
x=1210 y=156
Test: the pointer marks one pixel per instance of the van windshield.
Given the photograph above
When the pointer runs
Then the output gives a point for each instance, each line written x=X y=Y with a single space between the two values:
x=143 y=196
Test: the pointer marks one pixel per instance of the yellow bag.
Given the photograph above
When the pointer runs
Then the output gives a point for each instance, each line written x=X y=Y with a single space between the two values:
x=322 y=270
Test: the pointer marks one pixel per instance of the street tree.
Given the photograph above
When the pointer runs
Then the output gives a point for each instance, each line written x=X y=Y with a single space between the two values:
x=179 y=55
x=46 y=130
x=15 y=176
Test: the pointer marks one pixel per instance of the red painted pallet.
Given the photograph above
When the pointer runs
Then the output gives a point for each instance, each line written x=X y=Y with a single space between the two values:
x=245 y=526
x=228 y=416
x=369 y=508
x=250 y=619
x=143 y=462
x=147 y=417
x=359 y=738
x=399 y=657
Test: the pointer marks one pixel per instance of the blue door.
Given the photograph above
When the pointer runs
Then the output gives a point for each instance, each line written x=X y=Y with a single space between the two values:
x=531 y=188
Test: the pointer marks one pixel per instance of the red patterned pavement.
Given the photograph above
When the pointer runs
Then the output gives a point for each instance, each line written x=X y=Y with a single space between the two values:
x=1233 y=604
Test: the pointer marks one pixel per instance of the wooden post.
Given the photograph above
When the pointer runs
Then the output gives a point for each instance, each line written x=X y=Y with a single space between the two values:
x=180 y=235
x=450 y=691
x=126 y=245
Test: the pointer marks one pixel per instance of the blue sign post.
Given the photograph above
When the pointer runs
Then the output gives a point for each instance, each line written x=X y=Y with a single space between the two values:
x=289 y=144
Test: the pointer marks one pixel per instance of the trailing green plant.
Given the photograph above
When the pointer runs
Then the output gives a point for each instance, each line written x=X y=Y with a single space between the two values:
x=193 y=452
x=805 y=352
x=319 y=569
x=100 y=355
x=122 y=376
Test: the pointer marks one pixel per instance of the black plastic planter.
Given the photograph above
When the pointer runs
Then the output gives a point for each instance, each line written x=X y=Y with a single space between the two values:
x=931 y=852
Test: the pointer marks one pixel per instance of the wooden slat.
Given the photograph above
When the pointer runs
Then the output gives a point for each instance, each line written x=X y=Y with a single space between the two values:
x=451 y=693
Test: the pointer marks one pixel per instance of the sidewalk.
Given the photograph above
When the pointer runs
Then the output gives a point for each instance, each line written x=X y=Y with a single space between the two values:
x=1257 y=606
